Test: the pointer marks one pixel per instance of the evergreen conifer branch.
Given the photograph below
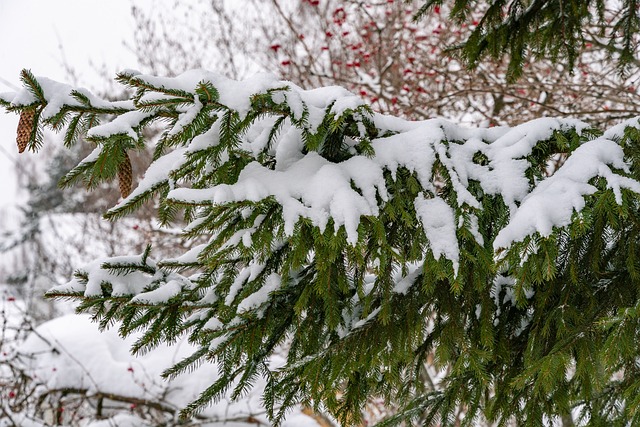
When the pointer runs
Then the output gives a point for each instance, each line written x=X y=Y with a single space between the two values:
x=553 y=29
x=366 y=245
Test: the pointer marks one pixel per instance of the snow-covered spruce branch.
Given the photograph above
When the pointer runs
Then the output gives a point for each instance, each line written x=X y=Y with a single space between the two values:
x=363 y=242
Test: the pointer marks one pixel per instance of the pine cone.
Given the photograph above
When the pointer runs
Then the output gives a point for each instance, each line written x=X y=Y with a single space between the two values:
x=25 y=128
x=125 y=176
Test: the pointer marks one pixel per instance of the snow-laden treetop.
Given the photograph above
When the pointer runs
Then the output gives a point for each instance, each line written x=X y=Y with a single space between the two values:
x=316 y=221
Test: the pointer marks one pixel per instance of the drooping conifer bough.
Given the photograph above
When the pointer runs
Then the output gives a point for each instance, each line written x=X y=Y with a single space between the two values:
x=363 y=245
x=555 y=29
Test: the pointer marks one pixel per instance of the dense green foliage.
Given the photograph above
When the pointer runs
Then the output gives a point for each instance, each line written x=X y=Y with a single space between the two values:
x=333 y=313
x=552 y=29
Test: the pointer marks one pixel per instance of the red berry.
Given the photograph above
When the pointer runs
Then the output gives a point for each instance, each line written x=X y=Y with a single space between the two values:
x=436 y=9
x=286 y=62
x=339 y=16
x=329 y=34
x=12 y=394
x=130 y=369
x=11 y=299
x=275 y=47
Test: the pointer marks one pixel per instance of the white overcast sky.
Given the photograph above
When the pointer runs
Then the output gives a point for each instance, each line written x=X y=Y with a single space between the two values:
x=41 y=35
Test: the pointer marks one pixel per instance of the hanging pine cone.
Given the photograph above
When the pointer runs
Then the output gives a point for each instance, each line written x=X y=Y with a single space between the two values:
x=125 y=176
x=25 y=128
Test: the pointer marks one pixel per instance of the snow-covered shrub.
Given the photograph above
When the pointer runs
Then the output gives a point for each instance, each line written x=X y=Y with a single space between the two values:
x=67 y=372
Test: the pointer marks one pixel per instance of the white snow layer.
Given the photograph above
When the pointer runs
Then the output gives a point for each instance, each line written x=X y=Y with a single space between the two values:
x=57 y=95
x=309 y=186
x=553 y=202
x=440 y=227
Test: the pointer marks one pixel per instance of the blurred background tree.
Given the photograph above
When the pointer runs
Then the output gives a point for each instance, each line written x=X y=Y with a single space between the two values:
x=378 y=50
